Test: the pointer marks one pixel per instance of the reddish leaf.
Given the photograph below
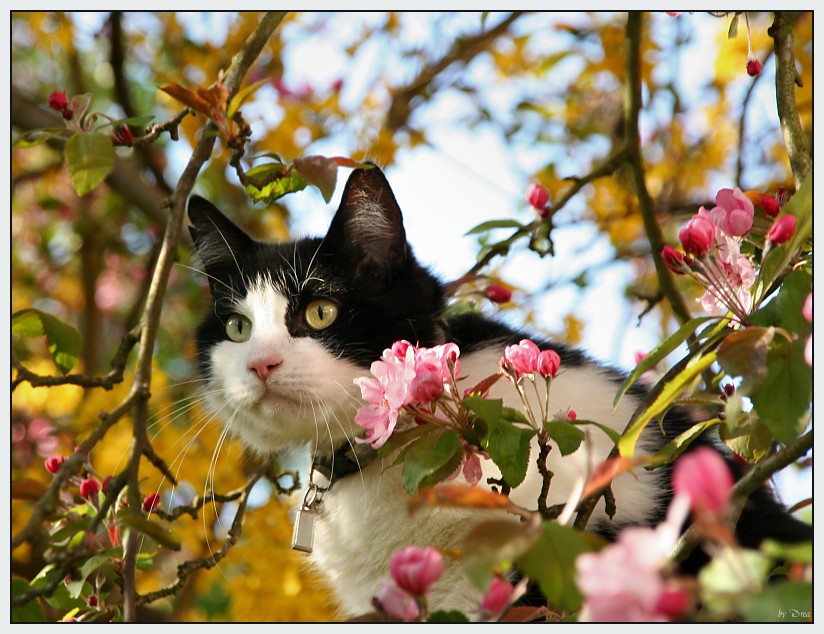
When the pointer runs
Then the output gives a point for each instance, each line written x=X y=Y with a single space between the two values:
x=319 y=171
x=460 y=495
x=610 y=469
x=187 y=98
x=484 y=386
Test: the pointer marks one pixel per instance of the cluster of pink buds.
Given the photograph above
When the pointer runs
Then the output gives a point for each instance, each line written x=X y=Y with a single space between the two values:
x=711 y=243
x=58 y=101
x=526 y=359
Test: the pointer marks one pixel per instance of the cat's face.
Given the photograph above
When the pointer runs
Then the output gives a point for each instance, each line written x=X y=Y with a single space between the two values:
x=292 y=324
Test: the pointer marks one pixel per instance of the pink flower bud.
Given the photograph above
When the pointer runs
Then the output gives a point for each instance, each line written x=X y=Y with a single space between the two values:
x=89 y=488
x=729 y=389
x=674 y=260
x=807 y=310
x=53 y=463
x=105 y=485
x=497 y=598
x=753 y=67
x=704 y=477
x=498 y=294
x=698 y=236
x=58 y=101
x=68 y=114
x=415 y=569
x=400 y=347
x=770 y=206
x=782 y=230
x=537 y=196
x=548 y=363
x=672 y=602
x=572 y=415
x=396 y=602
x=150 y=502
x=426 y=387
x=92 y=601
x=520 y=359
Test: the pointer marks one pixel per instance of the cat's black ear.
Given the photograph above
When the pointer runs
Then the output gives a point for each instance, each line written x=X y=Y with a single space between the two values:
x=368 y=227
x=217 y=239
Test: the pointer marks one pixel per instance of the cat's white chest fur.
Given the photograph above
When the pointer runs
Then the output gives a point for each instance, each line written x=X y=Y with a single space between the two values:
x=364 y=517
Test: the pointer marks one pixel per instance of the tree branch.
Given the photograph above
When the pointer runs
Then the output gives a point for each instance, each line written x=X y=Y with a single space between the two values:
x=786 y=79
x=632 y=111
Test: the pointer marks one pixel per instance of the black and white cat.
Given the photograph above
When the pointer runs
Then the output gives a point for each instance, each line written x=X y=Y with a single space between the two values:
x=291 y=326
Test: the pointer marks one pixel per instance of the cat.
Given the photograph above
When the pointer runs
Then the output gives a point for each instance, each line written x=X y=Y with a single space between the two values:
x=291 y=325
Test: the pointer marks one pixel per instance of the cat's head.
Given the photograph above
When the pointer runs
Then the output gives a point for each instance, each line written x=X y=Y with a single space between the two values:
x=292 y=324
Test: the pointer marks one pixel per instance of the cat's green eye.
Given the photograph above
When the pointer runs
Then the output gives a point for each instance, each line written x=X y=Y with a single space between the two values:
x=238 y=328
x=320 y=314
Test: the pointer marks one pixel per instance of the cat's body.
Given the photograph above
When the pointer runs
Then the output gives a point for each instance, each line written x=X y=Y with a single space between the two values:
x=293 y=324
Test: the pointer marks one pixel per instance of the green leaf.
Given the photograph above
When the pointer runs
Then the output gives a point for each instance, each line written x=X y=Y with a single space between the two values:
x=319 y=171
x=659 y=353
x=94 y=562
x=783 y=399
x=504 y=223
x=730 y=573
x=566 y=435
x=506 y=444
x=452 y=616
x=90 y=156
x=679 y=444
x=551 y=562
x=29 y=612
x=784 y=311
x=63 y=340
x=431 y=459
x=781 y=602
x=242 y=95
x=158 y=532
x=666 y=392
x=733 y=30
x=744 y=353
x=614 y=436
x=745 y=433
x=31 y=138
x=801 y=551
x=494 y=544
x=272 y=181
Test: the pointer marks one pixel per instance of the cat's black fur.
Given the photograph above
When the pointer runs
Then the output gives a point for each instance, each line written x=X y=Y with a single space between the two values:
x=385 y=295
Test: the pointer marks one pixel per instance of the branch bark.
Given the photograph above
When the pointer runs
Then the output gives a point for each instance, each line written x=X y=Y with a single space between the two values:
x=786 y=79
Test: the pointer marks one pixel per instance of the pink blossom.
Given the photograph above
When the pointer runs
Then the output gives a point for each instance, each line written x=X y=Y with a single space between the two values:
x=404 y=375
x=548 y=363
x=521 y=359
x=782 y=230
x=704 y=477
x=733 y=278
x=733 y=213
x=470 y=467
x=497 y=598
x=807 y=310
x=623 y=581
x=416 y=569
x=698 y=236
x=396 y=602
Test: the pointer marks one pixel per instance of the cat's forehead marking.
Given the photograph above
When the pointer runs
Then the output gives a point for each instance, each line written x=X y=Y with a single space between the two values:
x=265 y=302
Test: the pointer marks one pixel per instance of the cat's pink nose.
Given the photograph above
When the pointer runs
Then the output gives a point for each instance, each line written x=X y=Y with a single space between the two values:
x=264 y=366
